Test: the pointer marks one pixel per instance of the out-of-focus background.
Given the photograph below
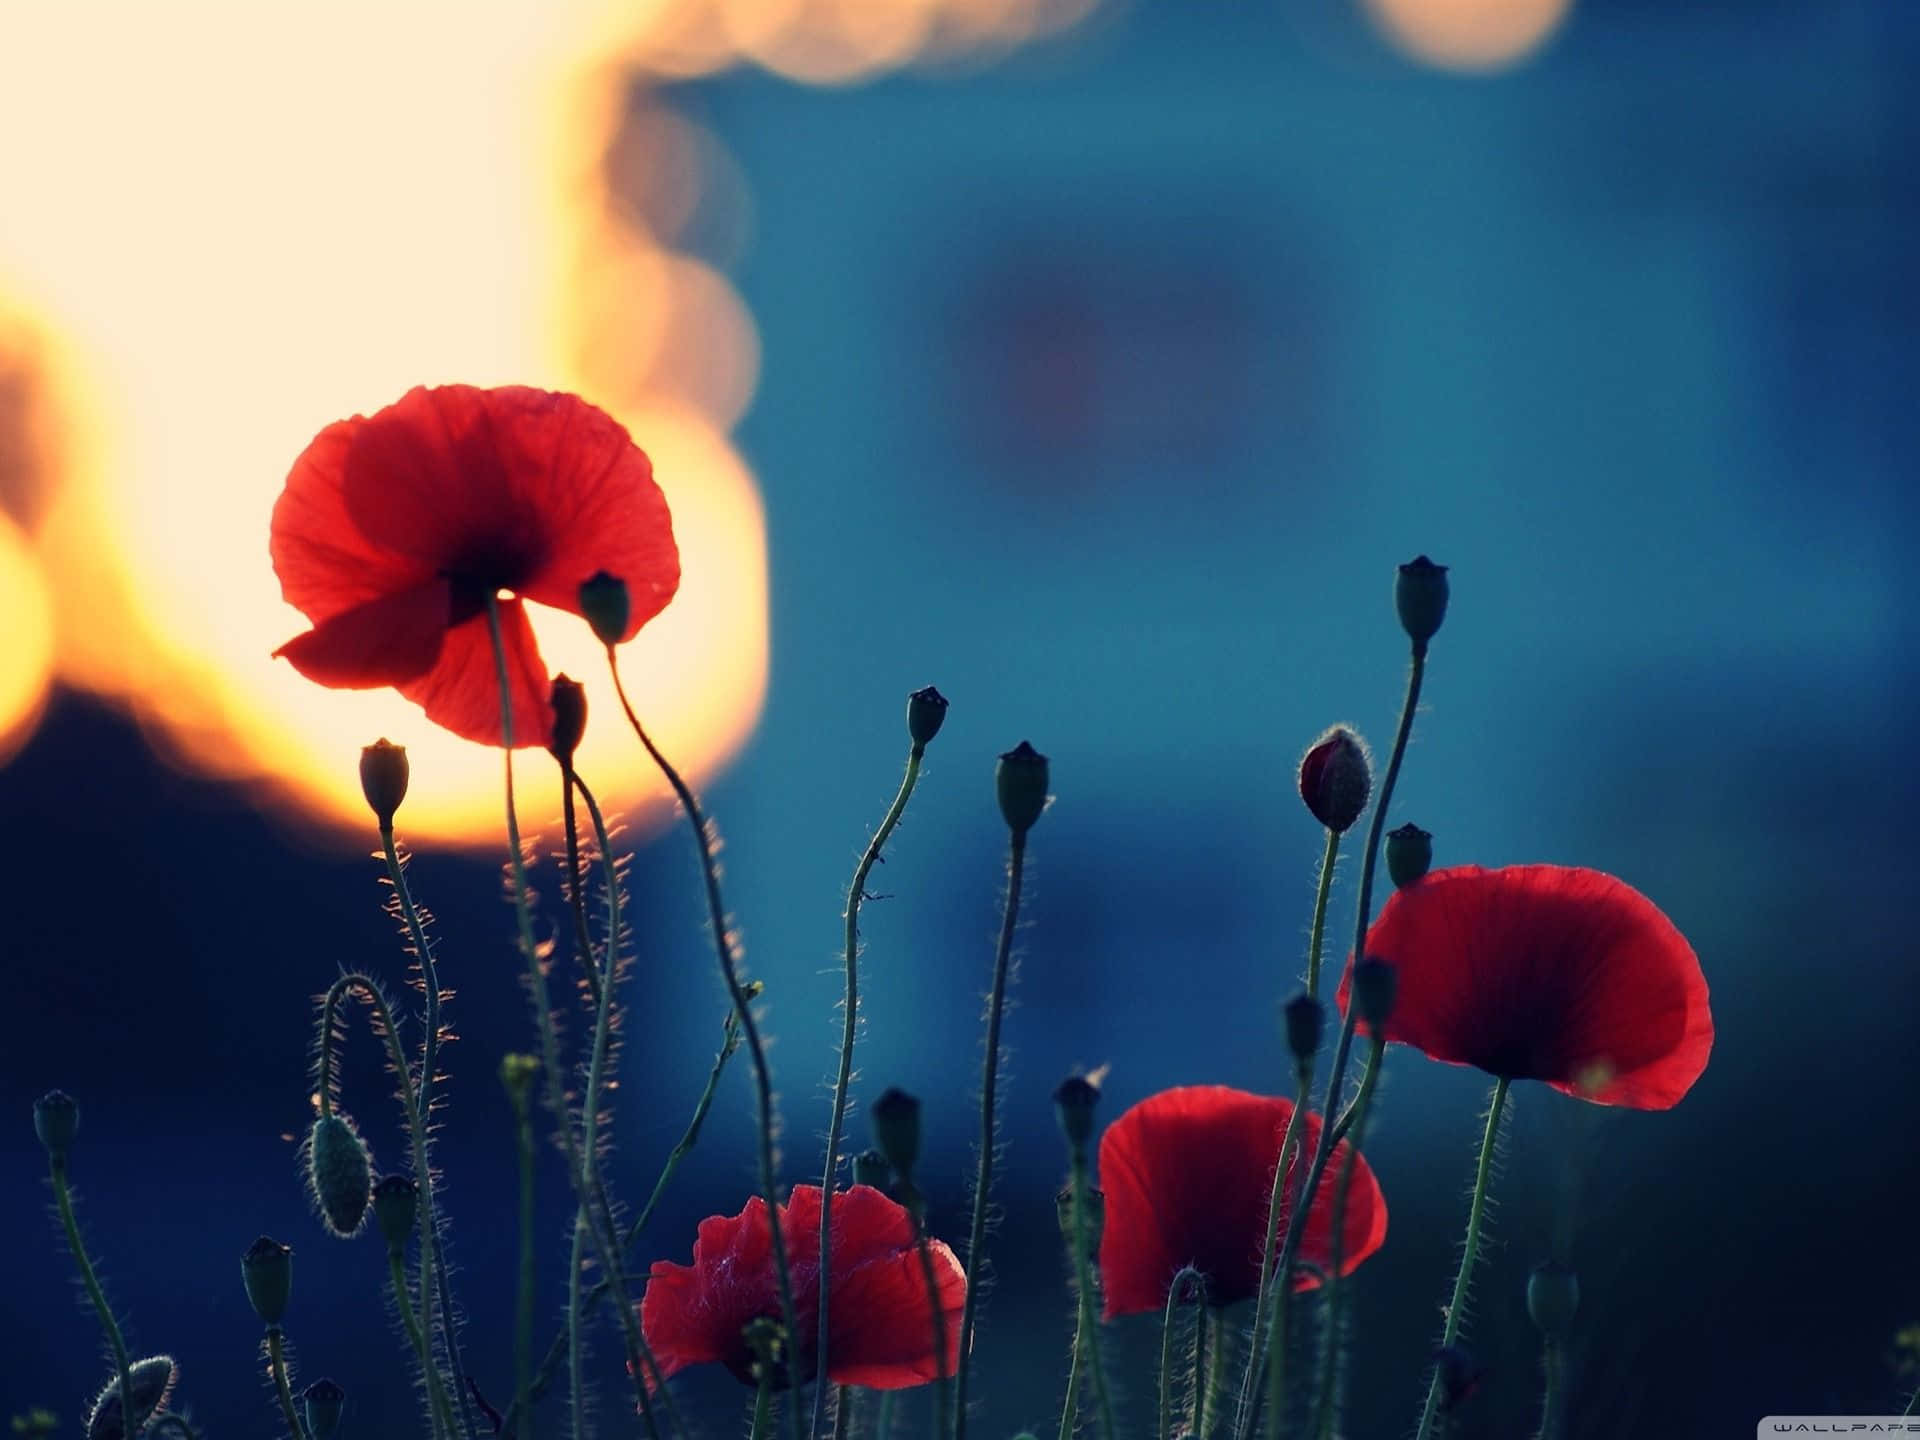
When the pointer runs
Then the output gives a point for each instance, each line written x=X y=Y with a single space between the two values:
x=1096 y=362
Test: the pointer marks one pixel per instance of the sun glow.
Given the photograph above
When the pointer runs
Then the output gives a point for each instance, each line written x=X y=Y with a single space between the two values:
x=1469 y=34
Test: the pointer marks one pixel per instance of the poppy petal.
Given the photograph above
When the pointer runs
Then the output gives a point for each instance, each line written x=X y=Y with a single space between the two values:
x=462 y=691
x=883 y=1335
x=388 y=640
x=694 y=1314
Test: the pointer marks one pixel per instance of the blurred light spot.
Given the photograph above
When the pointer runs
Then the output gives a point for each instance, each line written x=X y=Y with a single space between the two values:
x=1468 y=34
x=26 y=657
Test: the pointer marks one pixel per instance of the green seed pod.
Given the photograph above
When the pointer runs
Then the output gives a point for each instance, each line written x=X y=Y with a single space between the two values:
x=339 y=1174
x=926 y=712
x=396 y=1206
x=1420 y=595
x=324 y=1401
x=1409 y=855
x=607 y=606
x=568 y=703
x=150 y=1381
x=870 y=1167
x=1553 y=1297
x=895 y=1118
x=1306 y=1021
x=1022 y=782
x=267 y=1272
x=1073 y=1106
x=384 y=773
x=56 y=1120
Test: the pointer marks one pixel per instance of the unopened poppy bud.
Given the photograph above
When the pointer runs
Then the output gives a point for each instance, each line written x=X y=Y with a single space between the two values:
x=605 y=603
x=1096 y=1215
x=396 y=1205
x=1306 y=1021
x=149 y=1381
x=383 y=778
x=1553 y=1297
x=870 y=1168
x=895 y=1118
x=1420 y=595
x=1374 y=985
x=926 y=712
x=516 y=1074
x=1409 y=855
x=1073 y=1104
x=339 y=1173
x=267 y=1272
x=324 y=1401
x=56 y=1120
x=568 y=704
x=1022 y=782
x=1336 y=778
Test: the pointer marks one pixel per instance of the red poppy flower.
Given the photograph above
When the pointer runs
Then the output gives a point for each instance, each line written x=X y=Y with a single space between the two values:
x=1541 y=972
x=880 y=1331
x=1188 y=1176
x=394 y=530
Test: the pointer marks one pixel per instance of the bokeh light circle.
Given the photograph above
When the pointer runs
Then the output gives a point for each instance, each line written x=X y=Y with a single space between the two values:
x=1471 y=35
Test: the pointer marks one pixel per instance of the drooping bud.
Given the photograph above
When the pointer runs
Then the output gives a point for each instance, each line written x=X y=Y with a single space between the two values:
x=267 y=1272
x=56 y=1120
x=1420 y=595
x=870 y=1167
x=1553 y=1297
x=384 y=773
x=895 y=1118
x=149 y=1381
x=567 y=704
x=339 y=1174
x=1336 y=779
x=1306 y=1021
x=1022 y=782
x=605 y=603
x=1409 y=855
x=396 y=1205
x=1073 y=1105
x=926 y=712
x=1374 y=985
x=324 y=1401
x=1096 y=1215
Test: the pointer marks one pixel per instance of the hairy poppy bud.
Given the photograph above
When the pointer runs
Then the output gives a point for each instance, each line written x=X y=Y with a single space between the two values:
x=1409 y=855
x=396 y=1205
x=1096 y=1215
x=1073 y=1104
x=56 y=1120
x=1306 y=1020
x=324 y=1402
x=568 y=702
x=1336 y=778
x=1420 y=595
x=926 y=712
x=1374 y=984
x=605 y=603
x=383 y=778
x=1022 y=782
x=895 y=1117
x=1553 y=1295
x=149 y=1381
x=339 y=1173
x=870 y=1168
x=267 y=1272
x=516 y=1073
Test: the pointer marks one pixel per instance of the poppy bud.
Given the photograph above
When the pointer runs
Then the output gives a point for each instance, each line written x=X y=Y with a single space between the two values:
x=895 y=1117
x=516 y=1073
x=383 y=778
x=870 y=1168
x=1374 y=984
x=1022 y=781
x=1420 y=595
x=56 y=1120
x=568 y=702
x=1409 y=855
x=1306 y=1019
x=396 y=1205
x=1074 y=1103
x=149 y=1381
x=324 y=1401
x=267 y=1272
x=926 y=712
x=605 y=603
x=1553 y=1295
x=1336 y=777
x=339 y=1173
x=1096 y=1215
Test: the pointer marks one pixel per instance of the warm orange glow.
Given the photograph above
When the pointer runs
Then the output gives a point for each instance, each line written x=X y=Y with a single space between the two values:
x=26 y=657
x=1468 y=34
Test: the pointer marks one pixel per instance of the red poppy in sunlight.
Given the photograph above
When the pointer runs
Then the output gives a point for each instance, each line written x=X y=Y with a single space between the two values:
x=1541 y=972
x=395 y=529
x=1188 y=1175
x=880 y=1323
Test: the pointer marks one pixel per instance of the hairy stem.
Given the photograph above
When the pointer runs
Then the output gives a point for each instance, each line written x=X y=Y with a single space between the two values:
x=277 y=1363
x=1083 y=1276
x=1316 y=938
x=63 y=1200
x=916 y=1212
x=1327 y=1405
x=523 y=1309
x=1273 y=1278
x=436 y=1392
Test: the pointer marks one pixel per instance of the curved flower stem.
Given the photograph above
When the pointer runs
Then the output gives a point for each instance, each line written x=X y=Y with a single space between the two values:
x=762 y=1403
x=983 y=1181
x=1471 y=1250
x=576 y=885
x=1070 y=1407
x=1083 y=1276
x=1209 y=1366
x=579 y=1172
x=1552 y=1413
x=916 y=1207
x=277 y=1363
x=1176 y=1293
x=576 y=1321
x=63 y=1201
x=1326 y=1405
x=856 y=894
x=436 y=1392
x=1272 y=1275
x=523 y=1309
x=1317 y=938
x=737 y=992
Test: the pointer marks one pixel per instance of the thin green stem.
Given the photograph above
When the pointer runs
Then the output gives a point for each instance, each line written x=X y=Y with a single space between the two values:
x=277 y=1363
x=1457 y=1307
x=843 y=1398
x=576 y=886
x=1184 y=1280
x=1070 y=1406
x=1209 y=1365
x=63 y=1200
x=1327 y=1405
x=856 y=894
x=523 y=1310
x=576 y=1322
x=762 y=1403
x=1317 y=937
x=916 y=1213
x=1083 y=1275
x=737 y=992
x=883 y=1417
x=989 y=1078
x=436 y=1392
x=1271 y=1273
x=1553 y=1401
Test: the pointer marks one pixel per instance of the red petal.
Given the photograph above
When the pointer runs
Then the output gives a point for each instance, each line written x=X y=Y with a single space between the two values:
x=693 y=1314
x=882 y=1324
x=462 y=691
x=389 y=640
x=1543 y=972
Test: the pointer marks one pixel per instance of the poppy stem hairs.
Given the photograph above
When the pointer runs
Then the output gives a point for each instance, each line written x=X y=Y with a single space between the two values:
x=1189 y=1287
x=516 y=1075
x=1074 y=1103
